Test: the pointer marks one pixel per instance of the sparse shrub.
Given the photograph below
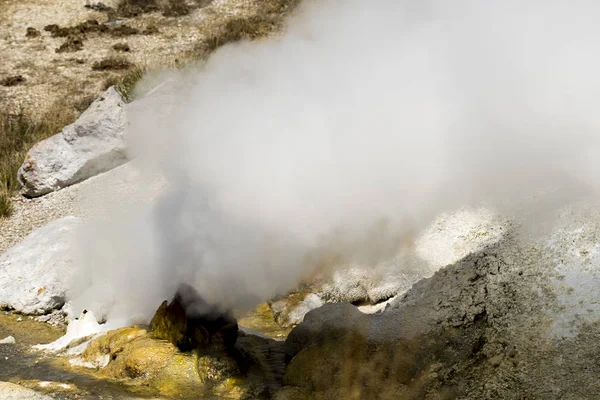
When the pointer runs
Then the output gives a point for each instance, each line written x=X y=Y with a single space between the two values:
x=237 y=29
x=89 y=26
x=5 y=205
x=150 y=30
x=32 y=32
x=133 y=8
x=111 y=64
x=122 y=47
x=72 y=44
x=168 y=8
x=128 y=82
x=123 y=30
x=125 y=84
x=176 y=8
x=100 y=7
x=12 y=80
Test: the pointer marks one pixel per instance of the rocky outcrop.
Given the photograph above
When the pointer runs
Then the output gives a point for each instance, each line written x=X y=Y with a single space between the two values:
x=190 y=351
x=190 y=323
x=372 y=287
x=291 y=309
x=488 y=326
x=338 y=352
x=35 y=273
x=93 y=144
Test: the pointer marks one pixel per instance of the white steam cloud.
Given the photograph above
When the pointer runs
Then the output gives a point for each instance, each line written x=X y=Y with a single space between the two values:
x=360 y=124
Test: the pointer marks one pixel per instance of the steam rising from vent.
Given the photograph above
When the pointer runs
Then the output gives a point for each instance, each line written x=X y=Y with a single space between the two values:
x=339 y=139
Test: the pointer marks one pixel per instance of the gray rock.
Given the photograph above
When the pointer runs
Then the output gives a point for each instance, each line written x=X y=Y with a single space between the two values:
x=292 y=393
x=290 y=310
x=35 y=273
x=93 y=144
x=337 y=344
x=329 y=322
x=12 y=391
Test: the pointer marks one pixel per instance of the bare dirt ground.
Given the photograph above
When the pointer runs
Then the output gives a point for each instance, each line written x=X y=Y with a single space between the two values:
x=36 y=73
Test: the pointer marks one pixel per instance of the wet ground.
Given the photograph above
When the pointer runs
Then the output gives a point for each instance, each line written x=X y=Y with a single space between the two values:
x=20 y=364
x=261 y=321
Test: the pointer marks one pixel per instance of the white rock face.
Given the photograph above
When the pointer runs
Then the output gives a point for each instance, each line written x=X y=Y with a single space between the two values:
x=287 y=313
x=84 y=327
x=11 y=391
x=93 y=144
x=448 y=239
x=35 y=273
x=309 y=303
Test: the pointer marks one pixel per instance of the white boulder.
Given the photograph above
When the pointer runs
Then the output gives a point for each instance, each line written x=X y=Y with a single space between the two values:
x=35 y=273
x=93 y=144
x=8 y=340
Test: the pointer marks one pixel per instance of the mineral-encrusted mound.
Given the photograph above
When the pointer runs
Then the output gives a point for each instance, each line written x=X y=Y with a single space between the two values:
x=190 y=323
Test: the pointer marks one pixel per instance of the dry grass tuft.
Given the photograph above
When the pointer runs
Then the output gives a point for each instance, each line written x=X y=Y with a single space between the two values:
x=17 y=134
x=71 y=45
x=124 y=47
x=32 y=32
x=12 y=80
x=260 y=25
x=112 y=63
x=168 y=8
x=89 y=26
x=125 y=84
x=5 y=205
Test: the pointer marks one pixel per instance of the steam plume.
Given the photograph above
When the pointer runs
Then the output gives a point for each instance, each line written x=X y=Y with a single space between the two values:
x=366 y=116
